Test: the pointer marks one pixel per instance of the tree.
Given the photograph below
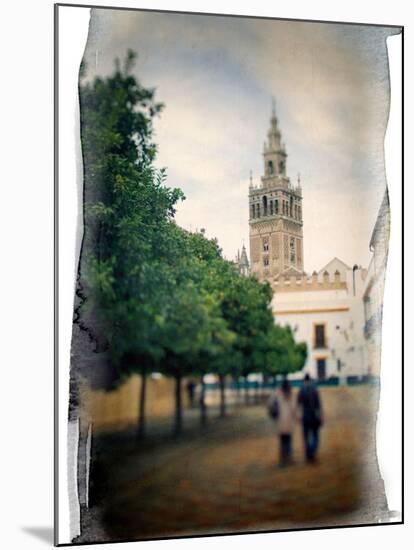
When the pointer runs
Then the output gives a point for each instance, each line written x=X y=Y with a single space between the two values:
x=246 y=307
x=150 y=294
x=280 y=353
x=194 y=330
x=123 y=277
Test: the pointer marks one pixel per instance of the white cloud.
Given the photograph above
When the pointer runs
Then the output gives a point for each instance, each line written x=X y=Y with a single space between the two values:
x=216 y=77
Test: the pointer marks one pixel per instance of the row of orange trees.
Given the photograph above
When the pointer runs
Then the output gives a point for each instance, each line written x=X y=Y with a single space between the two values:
x=150 y=295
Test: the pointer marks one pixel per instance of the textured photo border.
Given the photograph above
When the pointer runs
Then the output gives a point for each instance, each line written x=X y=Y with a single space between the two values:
x=57 y=419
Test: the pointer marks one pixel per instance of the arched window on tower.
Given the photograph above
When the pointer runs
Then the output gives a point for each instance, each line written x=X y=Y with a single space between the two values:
x=257 y=210
x=276 y=206
x=291 y=207
x=282 y=166
x=271 y=208
x=265 y=206
x=270 y=168
x=252 y=211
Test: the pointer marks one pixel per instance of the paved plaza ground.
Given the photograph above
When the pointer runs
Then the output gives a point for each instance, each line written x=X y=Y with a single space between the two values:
x=225 y=478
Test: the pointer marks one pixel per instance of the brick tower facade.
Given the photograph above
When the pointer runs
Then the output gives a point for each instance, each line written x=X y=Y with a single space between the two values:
x=275 y=214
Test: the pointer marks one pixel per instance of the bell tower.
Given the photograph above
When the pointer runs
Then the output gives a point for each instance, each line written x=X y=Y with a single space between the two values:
x=275 y=213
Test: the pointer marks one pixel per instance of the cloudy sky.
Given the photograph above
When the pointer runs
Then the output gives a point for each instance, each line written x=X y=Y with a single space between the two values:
x=217 y=75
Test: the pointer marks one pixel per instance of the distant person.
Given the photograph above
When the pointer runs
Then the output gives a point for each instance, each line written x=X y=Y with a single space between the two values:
x=311 y=409
x=282 y=408
x=191 y=390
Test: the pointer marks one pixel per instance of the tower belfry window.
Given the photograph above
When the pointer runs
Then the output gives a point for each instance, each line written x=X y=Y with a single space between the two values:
x=265 y=206
x=270 y=167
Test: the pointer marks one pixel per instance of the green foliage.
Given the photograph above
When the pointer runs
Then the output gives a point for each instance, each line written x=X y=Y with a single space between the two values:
x=125 y=270
x=280 y=353
x=154 y=296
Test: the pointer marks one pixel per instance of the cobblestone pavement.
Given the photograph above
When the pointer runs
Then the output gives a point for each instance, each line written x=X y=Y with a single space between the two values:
x=225 y=478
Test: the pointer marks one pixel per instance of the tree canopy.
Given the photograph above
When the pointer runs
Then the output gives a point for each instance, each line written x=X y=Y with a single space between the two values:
x=153 y=296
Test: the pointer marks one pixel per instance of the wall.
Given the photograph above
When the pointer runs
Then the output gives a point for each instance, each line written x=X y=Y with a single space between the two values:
x=329 y=300
x=118 y=409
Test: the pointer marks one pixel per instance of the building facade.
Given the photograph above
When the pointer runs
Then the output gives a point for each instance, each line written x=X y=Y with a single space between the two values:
x=324 y=309
x=374 y=290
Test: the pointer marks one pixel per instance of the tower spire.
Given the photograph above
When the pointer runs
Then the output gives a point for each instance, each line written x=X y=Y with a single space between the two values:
x=274 y=151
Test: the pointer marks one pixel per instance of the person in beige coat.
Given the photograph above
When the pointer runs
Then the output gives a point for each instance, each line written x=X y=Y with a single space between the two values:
x=286 y=418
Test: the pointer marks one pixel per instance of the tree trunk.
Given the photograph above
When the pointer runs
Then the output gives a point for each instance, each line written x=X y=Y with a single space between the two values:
x=203 y=408
x=178 y=407
x=141 y=408
x=222 y=395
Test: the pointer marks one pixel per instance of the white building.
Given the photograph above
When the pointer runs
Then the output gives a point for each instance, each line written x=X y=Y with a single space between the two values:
x=325 y=309
x=374 y=289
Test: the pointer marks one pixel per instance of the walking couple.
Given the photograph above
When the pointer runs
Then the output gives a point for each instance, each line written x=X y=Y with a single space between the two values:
x=287 y=411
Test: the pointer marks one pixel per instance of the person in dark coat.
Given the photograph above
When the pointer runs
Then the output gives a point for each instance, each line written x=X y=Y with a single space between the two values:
x=311 y=412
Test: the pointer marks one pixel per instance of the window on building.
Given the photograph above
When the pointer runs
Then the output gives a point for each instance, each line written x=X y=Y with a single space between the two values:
x=265 y=261
x=271 y=208
x=270 y=167
x=265 y=206
x=320 y=337
x=276 y=206
x=257 y=210
x=321 y=368
x=292 y=250
x=265 y=245
x=253 y=211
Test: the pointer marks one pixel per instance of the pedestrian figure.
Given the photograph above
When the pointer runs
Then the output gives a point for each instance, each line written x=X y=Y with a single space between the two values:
x=311 y=407
x=282 y=408
x=190 y=390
